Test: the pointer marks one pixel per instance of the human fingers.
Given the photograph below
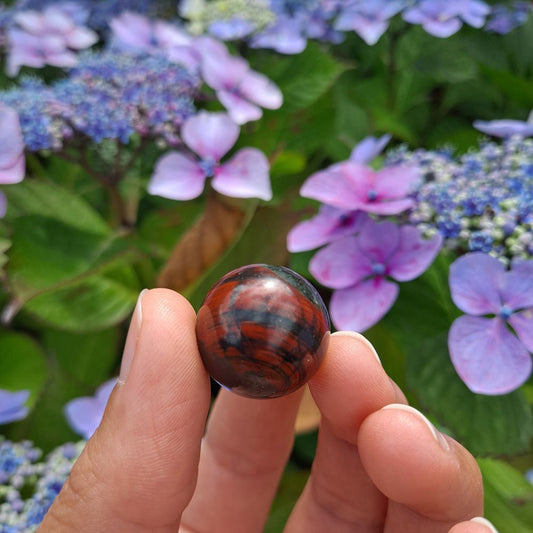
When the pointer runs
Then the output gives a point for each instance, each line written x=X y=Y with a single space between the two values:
x=477 y=524
x=432 y=482
x=245 y=450
x=339 y=495
x=138 y=471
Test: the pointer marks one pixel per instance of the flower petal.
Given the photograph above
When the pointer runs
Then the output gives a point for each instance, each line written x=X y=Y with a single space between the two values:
x=131 y=30
x=84 y=415
x=12 y=406
x=517 y=289
x=240 y=110
x=261 y=90
x=378 y=240
x=103 y=392
x=219 y=69
x=80 y=38
x=177 y=177
x=340 y=264
x=442 y=28
x=475 y=280
x=505 y=128
x=360 y=307
x=11 y=143
x=328 y=225
x=15 y=173
x=414 y=254
x=245 y=175
x=210 y=135
x=487 y=356
x=369 y=148
x=392 y=207
x=397 y=181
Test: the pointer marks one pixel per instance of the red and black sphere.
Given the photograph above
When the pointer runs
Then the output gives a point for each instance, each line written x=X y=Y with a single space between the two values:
x=262 y=331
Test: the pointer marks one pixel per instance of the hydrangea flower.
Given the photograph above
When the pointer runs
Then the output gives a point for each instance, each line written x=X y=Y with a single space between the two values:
x=132 y=32
x=85 y=414
x=361 y=269
x=504 y=18
x=46 y=38
x=479 y=201
x=12 y=406
x=350 y=185
x=29 y=484
x=12 y=162
x=331 y=223
x=490 y=357
x=210 y=136
x=506 y=127
x=241 y=90
x=368 y=18
x=443 y=18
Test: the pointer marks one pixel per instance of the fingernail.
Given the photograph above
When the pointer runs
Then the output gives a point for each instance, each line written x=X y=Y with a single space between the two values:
x=436 y=434
x=360 y=337
x=131 y=339
x=484 y=522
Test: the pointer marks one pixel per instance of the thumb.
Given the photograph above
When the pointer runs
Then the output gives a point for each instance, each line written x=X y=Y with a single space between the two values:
x=138 y=471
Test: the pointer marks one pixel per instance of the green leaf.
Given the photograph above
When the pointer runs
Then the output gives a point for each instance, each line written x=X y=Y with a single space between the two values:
x=508 y=497
x=22 y=364
x=305 y=77
x=86 y=358
x=47 y=199
x=4 y=246
x=289 y=490
x=95 y=303
x=486 y=425
x=517 y=88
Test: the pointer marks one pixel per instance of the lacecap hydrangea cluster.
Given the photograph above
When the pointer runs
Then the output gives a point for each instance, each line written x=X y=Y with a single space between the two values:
x=29 y=484
x=108 y=95
x=481 y=201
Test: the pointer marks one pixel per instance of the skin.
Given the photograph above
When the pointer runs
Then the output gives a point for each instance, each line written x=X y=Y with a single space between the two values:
x=152 y=466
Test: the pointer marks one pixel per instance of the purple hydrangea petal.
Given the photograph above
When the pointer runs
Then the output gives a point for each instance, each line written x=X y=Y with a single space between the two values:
x=210 y=135
x=360 y=307
x=524 y=266
x=390 y=207
x=442 y=28
x=177 y=177
x=286 y=36
x=228 y=30
x=475 y=281
x=79 y=38
x=64 y=59
x=340 y=264
x=239 y=109
x=131 y=31
x=219 y=69
x=369 y=31
x=474 y=12
x=103 y=392
x=369 y=148
x=261 y=90
x=397 y=181
x=12 y=406
x=505 y=128
x=15 y=173
x=11 y=142
x=245 y=175
x=169 y=36
x=522 y=323
x=31 y=21
x=379 y=240
x=414 y=254
x=517 y=290
x=487 y=356
x=84 y=415
x=328 y=225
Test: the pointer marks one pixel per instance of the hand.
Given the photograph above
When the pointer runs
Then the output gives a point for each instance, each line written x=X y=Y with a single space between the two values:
x=379 y=466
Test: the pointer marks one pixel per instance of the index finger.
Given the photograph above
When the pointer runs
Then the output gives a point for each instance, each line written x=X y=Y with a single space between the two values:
x=138 y=471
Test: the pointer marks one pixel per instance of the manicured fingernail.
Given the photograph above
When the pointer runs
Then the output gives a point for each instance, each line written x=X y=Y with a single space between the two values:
x=484 y=522
x=360 y=337
x=131 y=340
x=436 y=434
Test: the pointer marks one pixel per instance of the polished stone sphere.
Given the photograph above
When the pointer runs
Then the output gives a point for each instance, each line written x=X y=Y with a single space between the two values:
x=262 y=331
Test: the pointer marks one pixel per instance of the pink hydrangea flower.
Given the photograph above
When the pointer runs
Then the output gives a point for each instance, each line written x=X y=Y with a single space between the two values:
x=136 y=33
x=241 y=90
x=46 y=37
x=210 y=136
x=363 y=270
x=351 y=185
x=85 y=414
x=491 y=345
x=12 y=162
